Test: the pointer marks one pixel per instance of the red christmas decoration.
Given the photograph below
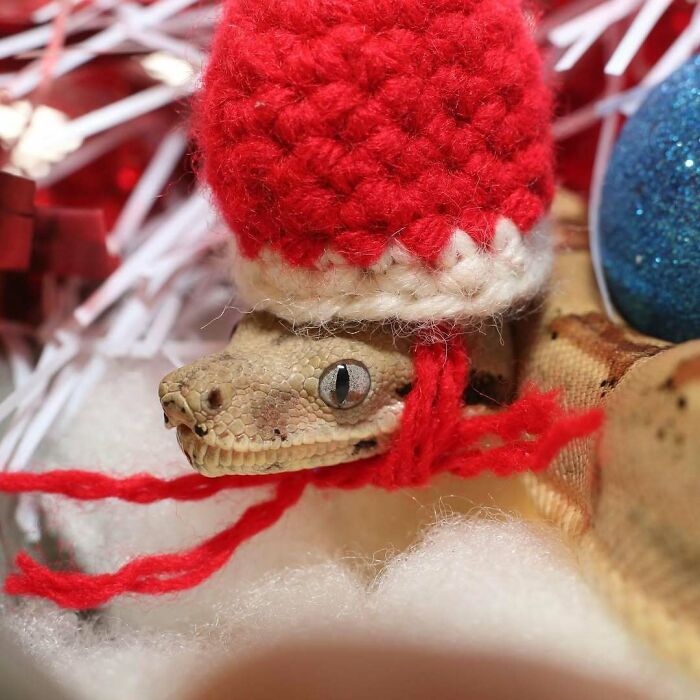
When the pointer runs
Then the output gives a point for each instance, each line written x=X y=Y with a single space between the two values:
x=20 y=11
x=38 y=241
x=345 y=126
x=16 y=222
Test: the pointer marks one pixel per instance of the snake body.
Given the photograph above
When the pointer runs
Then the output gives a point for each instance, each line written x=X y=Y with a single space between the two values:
x=627 y=500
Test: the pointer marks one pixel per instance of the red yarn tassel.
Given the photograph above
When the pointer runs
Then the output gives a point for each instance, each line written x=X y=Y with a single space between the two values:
x=141 y=488
x=432 y=413
x=434 y=438
x=154 y=575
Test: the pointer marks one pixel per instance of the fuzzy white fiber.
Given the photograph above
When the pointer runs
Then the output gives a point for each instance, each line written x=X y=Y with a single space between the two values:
x=336 y=565
x=467 y=283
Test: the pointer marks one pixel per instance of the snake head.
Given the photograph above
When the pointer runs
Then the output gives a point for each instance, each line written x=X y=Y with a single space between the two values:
x=275 y=400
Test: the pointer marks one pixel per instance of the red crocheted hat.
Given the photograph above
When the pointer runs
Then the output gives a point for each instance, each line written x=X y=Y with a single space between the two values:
x=380 y=159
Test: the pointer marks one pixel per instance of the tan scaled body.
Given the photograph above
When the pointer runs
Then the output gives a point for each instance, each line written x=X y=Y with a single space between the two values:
x=629 y=499
x=258 y=406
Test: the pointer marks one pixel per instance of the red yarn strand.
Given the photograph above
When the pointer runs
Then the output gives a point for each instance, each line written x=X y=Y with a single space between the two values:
x=525 y=455
x=154 y=575
x=432 y=413
x=140 y=488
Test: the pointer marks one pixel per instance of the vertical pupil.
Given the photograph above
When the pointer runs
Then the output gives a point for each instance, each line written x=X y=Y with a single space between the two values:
x=342 y=384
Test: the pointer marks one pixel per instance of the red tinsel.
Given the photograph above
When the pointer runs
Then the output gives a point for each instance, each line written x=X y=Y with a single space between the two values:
x=434 y=438
x=16 y=222
x=37 y=241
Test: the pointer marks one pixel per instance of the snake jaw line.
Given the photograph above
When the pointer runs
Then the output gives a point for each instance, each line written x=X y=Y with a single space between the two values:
x=258 y=407
x=215 y=461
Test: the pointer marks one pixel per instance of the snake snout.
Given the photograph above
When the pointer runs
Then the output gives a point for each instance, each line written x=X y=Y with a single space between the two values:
x=177 y=410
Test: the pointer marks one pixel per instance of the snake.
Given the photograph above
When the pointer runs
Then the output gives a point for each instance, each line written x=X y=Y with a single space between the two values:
x=279 y=398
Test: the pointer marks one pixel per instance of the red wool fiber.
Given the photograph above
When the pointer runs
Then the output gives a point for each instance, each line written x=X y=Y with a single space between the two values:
x=344 y=125
x=433 y=438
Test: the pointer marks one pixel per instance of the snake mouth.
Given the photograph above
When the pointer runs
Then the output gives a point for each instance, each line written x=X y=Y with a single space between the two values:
x=212 y=460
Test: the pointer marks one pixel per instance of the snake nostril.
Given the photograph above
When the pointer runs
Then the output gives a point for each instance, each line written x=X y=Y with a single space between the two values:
x=176 y=411
x=200 y=430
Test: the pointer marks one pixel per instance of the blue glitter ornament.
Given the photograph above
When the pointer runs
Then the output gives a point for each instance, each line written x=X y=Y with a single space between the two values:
x=650 y=212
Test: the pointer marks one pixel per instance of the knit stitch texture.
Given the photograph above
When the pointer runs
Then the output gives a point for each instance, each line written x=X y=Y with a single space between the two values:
x=344 y=126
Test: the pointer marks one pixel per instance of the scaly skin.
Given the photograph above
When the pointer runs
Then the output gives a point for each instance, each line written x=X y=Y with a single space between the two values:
x=628 y=500
x=255 y=407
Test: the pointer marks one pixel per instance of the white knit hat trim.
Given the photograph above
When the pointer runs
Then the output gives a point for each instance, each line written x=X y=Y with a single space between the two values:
x=468 y=284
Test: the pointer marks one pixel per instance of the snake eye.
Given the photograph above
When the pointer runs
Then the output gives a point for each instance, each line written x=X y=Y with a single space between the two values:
x=345 y=384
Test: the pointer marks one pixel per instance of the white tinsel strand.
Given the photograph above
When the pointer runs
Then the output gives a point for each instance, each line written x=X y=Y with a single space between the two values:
x=134 y=312
x=575 y=33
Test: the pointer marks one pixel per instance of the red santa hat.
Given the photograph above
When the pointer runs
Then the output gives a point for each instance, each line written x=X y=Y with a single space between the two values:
x=380 y=159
